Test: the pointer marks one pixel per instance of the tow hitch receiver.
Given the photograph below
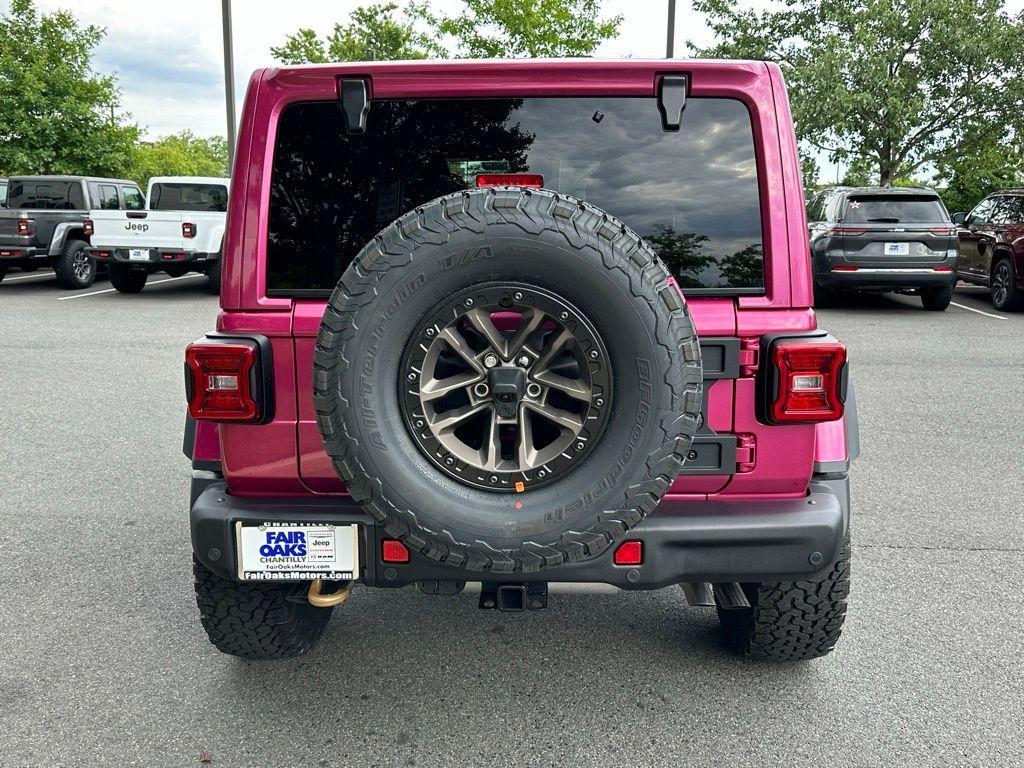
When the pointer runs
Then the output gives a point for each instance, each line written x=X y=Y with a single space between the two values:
x=513 y=597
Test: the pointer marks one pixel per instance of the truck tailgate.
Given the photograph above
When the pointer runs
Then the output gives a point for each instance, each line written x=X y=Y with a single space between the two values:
x=137 y=229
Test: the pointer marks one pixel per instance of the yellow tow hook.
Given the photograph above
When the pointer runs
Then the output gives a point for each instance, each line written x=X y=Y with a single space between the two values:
x=327 y=601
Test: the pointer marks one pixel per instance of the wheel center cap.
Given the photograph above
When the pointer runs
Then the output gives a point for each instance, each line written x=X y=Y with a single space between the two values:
x=508 y=385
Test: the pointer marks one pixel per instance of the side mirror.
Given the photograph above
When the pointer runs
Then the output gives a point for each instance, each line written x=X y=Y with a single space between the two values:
x=959 y=218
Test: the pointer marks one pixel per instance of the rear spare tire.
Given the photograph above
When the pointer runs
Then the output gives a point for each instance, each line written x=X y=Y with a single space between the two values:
x=508 y=379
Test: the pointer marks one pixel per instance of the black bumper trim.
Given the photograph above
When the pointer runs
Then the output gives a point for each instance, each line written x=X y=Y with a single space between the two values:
x=742 y=540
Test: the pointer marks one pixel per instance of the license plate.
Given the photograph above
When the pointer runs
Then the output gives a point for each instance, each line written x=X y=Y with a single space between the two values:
x=897 y=249
x=138 y=254
x=297 y=551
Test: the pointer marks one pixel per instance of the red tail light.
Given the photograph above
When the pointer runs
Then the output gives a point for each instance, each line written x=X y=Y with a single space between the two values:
x=808 y=382
x=393 y=551
x=942 y=269
x=25 y=226
x=532 y=180
x=847 y=231
x=943 y=231
x=87 y=227
x=220 y=377
x=629 y=553
x=188 y=229
x=845 y=269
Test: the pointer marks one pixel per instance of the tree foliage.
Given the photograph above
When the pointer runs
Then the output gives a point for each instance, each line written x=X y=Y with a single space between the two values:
x=373 y=33
x=893 y=86
x=181 y=154
x=482 y=29
x=56 y=114
x=522 y=28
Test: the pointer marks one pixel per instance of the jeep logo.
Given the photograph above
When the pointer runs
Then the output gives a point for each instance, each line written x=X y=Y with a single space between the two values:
x=136 y=227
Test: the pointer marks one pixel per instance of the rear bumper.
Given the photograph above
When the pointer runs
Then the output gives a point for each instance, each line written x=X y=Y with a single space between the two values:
x=882 y=278
x=15 y=253
x=159 y=258
x=683 y=541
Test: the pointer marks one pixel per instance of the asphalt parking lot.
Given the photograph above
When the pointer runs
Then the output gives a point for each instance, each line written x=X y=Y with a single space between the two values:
x=104 y=661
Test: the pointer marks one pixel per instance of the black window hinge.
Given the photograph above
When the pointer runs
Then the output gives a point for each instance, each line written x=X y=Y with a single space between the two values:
x=355 y=103
x=672 y=100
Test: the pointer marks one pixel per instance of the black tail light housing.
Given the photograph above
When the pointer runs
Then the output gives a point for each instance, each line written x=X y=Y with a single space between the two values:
x=802 y=379
x=228 y=379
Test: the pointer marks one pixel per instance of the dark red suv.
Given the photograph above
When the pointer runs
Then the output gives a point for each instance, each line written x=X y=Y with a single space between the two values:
x=992 y=247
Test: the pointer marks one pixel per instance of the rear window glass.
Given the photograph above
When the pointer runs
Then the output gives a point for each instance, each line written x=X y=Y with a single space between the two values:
x=692 y=194
x=188 y=197
x=3 y=194
x=47 y=195
x=863 y=209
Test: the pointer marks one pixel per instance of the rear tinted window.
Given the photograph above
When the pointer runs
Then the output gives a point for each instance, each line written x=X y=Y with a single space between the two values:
x=863 y=209
x=52 y=195
x=692 y=194
x=188 y=197
x=3 y=194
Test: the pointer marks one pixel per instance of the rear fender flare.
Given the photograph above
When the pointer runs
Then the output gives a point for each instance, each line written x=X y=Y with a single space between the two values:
x=65 y=231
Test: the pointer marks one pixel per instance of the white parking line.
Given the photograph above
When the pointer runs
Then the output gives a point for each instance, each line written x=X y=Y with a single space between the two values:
x=972 y=309
x=109 y=290
x=27 y=277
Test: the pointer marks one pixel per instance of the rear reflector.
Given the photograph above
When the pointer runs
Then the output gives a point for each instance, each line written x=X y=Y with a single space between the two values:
x=629 y=553
x=808 y=387
x=393 y=551
x=942 y=269
x=532 y=180
x=219 y=381
x=845 y=269
x=847 y=231
x=943 y=231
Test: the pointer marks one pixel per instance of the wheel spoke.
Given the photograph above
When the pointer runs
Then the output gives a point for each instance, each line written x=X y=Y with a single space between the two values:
x=432 y=389
x=574 y=388
x=525 y=452
x=490 y=453
x=532 y=319
x=449 y=420
x=564 y=419
x=459 y=346
x=563 y=338
x=481 y=320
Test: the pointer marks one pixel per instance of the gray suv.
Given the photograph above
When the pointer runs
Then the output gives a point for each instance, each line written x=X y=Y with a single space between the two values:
x=898 y=239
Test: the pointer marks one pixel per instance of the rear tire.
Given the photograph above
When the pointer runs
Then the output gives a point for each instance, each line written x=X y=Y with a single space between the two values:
x=936 y=299
x=822 y=296
x=213 y=271
x=75 y=268
x=257 y=620
x=1006 y=296
x=790 y=620
x=3 y=273
x=127 y=280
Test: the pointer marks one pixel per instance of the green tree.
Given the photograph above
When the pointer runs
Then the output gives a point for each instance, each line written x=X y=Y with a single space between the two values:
x=682 y=253
x=373 y=33
x=969 y=176
x=56 y=114
x=745 y=267
x=483 y=28
x=181 y=154
x=887 y=84
x=522 y=28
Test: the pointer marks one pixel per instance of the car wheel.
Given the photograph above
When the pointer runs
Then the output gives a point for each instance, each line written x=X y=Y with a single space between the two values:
x=126 y=279
x=936 y=299
x=790 y=620
x=526 y=358
x=213 y=272
x=1006 y=296
x=75 y=268
x=258 y=620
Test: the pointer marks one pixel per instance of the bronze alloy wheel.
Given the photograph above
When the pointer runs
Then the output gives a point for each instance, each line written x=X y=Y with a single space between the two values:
x=505 y=384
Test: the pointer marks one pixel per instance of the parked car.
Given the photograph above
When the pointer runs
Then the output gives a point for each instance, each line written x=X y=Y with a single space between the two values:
x=3 y=193
x=992 y=248
x=898 y=239
x=448 y=351
x=180 y=231
x=45 y=223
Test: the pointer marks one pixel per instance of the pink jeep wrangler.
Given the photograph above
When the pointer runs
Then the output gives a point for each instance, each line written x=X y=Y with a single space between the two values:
x=454 y=347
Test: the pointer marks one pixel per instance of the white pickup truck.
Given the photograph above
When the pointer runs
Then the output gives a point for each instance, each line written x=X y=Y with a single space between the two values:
x=181 y=230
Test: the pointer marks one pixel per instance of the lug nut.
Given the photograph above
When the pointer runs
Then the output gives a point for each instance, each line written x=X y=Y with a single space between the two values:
x=523 y=361
x=490 y=360
x=533 y=389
